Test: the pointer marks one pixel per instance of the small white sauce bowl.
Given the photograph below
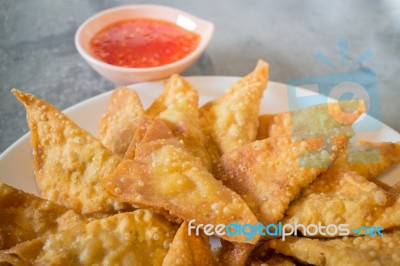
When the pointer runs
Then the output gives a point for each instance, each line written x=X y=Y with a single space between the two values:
x=126 y=75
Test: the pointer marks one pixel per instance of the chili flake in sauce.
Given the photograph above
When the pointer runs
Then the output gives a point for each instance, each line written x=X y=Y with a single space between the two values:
x=143 y=43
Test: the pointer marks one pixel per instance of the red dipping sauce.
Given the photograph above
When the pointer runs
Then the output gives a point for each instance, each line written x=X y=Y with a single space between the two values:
x=143 y=43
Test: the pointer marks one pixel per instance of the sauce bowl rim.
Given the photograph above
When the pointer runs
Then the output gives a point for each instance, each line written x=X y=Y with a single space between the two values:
x=205 y=38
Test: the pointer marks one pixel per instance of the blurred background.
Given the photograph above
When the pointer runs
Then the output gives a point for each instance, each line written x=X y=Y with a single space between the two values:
x=38 y=55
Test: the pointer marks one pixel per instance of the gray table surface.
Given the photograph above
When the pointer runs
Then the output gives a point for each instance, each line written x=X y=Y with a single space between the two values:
x=37 y=52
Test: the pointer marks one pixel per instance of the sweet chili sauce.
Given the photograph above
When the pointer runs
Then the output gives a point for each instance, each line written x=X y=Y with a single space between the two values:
x=143 y=42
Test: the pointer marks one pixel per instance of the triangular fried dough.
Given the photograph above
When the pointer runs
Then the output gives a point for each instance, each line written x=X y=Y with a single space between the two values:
x=178 y=107
x=177 y=92
x=141 y=129
x=369 y=159
x=395 y=188
x=232 y=120
x=164 y=175
x=264 y=255
x=275 y=260
x=365 y=250
x=234 y=254
x=22 y=254
x=136 y=238
x=315 y=118
x=68 y=162
x=390 y=217
x=270 y=173
x=339 y=196
x=119 y=123
x=25 y=217
x=149 y=129
x=189 y=250
x=343 y=195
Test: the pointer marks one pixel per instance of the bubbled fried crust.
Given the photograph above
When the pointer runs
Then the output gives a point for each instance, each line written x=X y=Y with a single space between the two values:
x=390 y=217
x=234 y=254
x=165 y=176
x=366 y=250
x=315 y=118
x=177 y=106
x=344 y=194
x=339 y=197
x=136 y=238
x=369 y=159
x=268 y=173
x=68 y=162
x=232 y=120
x=25 y=217
x=274 y=260
x=119 y=123
x=149 y=129
x=22 y=254
x=189 y=250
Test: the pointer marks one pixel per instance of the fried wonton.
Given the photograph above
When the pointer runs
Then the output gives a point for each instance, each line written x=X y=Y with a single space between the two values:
x=275 y=260
x=119 y=123
x=232 y=120
x=234 y=254
x=22 y=254
x=68 y=162
x=141 y=129
x=390 y=217
x=149 y=128
x=270 y=173
x=365 y=250
x=369 y=159
x=136 y=238
x=263 y=255
x=189 y=250
x=337 y=197
x=25 y=217
x=315 y=118
x=177 y=106
x=343 y=196
x=165 y=176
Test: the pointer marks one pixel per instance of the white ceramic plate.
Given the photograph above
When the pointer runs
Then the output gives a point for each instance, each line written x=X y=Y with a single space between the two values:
x=16 y=161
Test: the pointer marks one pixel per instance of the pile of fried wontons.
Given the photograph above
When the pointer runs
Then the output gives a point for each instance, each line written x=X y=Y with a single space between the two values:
x=126 y=196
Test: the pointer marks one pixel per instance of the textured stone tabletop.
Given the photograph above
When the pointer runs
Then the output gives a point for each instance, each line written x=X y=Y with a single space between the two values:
x=37 y=52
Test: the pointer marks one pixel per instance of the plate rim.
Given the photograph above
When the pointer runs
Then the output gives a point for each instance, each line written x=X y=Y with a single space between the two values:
x=191 y=79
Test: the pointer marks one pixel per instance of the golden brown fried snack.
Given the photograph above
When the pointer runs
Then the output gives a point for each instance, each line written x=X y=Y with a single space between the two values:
x=136 y=238
x=177 y=92
x=365 y=250
x=275 y=260
x=342 y=195
x=234 y=254
x=315 y=118
x=119 y=123
x=270 y=173
x=149 y=129
x=390 y=217
x=25 y=216
x=68 y=162
x=177 y=106
x=263 y=255
x=232 y=120
x=22 y=254
x=165 y=176
x=189 y=250
x=369 y=159
x=142 y=127
x=339 y=196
